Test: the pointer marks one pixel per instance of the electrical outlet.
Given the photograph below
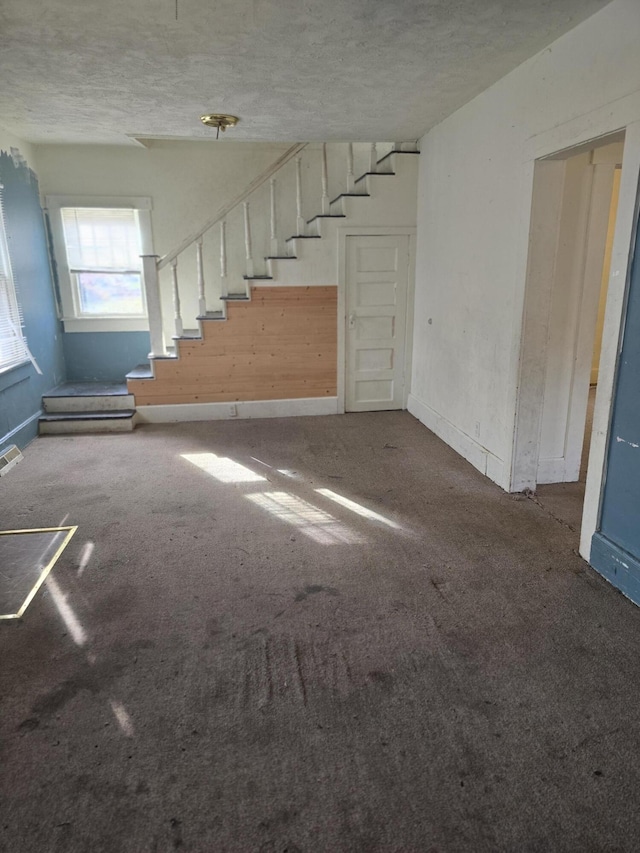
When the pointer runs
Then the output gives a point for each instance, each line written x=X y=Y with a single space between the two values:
x=233 y=411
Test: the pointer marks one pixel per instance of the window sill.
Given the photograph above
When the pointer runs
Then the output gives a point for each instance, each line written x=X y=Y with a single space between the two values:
x=106 y=324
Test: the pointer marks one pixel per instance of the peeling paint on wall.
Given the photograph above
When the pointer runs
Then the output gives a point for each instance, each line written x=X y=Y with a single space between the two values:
x=21 y=387
x=624 y=441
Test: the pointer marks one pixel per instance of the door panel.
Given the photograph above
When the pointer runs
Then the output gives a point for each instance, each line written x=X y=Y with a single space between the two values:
x=376 y=301
x=376 y=293
x=377 y=258
x=374 y=359
x=373 y=328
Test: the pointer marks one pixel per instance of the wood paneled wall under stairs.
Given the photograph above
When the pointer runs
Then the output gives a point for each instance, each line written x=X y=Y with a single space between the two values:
x=280 y=345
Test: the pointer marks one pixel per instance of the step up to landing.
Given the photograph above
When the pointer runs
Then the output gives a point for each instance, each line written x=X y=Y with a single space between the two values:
x=59 y=423
x=75 y=407
x=88 y=397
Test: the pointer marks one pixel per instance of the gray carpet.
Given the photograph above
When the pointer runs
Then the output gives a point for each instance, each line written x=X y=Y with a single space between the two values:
x=565 y=500
x=243 y=664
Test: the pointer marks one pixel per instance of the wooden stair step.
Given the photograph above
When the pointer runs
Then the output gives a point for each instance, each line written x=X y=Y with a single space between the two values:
x=188 y=335
x=366 y=175
x=86 y=397
x=88 y=389
x=211 y=315
x=141 y=371
x=303 y=237
x=390 y=153
x=88 y=416
x=349 y=195
x=327 y=216
x=65 y=423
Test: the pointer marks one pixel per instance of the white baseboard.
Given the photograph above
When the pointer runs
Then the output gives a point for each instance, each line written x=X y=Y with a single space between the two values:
x=176 y=413
x=558 y=470
x=481 y=458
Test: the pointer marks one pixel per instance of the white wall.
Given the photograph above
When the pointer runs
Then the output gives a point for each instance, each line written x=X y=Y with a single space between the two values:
x=474 y=203
x=188 y=182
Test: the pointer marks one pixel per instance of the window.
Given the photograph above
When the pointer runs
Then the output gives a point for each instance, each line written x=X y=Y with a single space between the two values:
x=103 y=256
x=97 y=243
x=13 y=349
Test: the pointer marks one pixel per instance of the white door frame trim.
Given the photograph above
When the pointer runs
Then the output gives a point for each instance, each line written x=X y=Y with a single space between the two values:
x=574 y=292
x=621 y=115
x=344 y=232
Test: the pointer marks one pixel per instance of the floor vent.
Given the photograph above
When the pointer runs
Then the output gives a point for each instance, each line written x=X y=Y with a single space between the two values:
x=9 y=458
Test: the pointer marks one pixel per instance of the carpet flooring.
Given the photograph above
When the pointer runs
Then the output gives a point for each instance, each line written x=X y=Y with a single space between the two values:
x=308 y=635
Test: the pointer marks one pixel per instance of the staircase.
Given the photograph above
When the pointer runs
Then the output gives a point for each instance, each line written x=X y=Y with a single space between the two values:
x=76 y=407
x=275 y=343
x=231 y=324
x=265 y=322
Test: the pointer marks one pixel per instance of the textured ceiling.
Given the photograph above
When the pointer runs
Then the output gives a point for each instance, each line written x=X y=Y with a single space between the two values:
x=103 y=70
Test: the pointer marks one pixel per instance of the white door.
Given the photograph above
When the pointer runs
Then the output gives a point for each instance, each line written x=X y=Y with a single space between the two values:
x=376 y=302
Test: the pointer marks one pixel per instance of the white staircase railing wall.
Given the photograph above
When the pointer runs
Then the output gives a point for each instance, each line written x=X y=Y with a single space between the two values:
x=231 y=251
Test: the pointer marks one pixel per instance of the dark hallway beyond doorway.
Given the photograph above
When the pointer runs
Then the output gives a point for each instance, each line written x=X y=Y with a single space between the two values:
x=313 y=634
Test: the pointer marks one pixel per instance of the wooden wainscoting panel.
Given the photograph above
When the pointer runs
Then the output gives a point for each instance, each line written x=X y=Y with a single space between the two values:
x=281 y=345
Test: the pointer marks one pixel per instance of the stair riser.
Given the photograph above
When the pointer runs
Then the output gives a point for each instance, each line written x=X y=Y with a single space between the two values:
x=88 y=404
x=75 y=427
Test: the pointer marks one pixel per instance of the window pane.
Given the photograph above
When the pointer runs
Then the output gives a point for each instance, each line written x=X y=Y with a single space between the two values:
x=102 y=238
x=110 y=293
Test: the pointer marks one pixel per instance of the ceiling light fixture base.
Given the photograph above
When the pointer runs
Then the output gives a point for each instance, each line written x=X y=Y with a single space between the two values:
x=220 y=121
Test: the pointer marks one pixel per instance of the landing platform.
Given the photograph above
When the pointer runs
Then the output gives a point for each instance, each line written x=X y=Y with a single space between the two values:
x=88 y=389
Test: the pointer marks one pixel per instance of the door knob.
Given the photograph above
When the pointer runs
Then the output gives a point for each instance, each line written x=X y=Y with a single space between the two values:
x=352 y=321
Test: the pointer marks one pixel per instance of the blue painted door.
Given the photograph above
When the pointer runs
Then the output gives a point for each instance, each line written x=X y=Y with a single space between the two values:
x=615 y=548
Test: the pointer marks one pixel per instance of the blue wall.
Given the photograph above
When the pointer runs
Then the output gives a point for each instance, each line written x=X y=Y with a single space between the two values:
x=104 y=356
x=22 y=387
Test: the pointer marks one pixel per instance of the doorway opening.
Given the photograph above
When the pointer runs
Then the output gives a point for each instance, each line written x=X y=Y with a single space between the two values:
x=574 y=210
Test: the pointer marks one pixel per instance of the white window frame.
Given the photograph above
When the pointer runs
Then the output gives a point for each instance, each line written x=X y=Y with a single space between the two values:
x=73 y=322
x=12 y=294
